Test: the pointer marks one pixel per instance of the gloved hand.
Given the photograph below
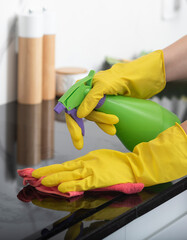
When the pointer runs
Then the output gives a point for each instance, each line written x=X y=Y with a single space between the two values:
x=140 y=78
x=104 y=121
x=161 y=160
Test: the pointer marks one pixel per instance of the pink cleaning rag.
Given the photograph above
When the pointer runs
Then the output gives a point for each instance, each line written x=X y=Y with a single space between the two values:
x=26 y=174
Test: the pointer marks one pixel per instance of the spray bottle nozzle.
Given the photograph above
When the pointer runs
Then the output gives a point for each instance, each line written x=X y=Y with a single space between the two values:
x=73 y=98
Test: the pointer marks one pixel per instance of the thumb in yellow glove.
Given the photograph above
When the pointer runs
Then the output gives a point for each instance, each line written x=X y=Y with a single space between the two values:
x=141 y=78
x=161 y=160
x=104 y=121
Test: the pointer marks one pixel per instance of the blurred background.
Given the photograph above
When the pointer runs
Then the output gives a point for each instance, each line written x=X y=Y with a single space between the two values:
x=91 y=33
x=37 y=65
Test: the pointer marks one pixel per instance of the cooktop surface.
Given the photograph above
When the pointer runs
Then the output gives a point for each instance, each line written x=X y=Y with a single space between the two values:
x=33 y=136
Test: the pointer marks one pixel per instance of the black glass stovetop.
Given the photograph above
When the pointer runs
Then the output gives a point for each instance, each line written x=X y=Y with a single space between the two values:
x=32 y=136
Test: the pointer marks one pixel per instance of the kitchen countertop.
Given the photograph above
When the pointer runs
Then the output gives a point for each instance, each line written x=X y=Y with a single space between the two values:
x=31 y=137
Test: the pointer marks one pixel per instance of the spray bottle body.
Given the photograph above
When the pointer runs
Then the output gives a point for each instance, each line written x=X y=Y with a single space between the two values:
x=139 y=120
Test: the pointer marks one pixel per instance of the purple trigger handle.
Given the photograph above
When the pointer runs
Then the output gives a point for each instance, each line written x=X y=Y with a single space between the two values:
x=101 y=102
x=59 y=107
x=79 y=121
x=73 y=113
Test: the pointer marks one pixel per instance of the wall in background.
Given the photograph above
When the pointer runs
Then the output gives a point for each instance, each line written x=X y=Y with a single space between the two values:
x=8 y=58
x=88 y=31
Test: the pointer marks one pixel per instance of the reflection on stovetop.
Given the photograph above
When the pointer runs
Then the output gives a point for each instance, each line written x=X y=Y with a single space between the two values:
x=95 y=210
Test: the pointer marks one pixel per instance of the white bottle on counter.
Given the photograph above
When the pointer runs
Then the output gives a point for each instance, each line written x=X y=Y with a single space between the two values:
x=30 y=40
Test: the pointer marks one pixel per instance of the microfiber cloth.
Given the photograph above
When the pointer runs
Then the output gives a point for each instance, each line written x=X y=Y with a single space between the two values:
x=26 y=174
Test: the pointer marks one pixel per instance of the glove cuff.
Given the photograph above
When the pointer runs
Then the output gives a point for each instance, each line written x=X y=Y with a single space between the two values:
x=145 y=76
x=162 y=159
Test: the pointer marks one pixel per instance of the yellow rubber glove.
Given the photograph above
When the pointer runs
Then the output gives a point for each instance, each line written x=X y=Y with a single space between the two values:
x=104 y=121
x=161 y=160
x=75 y=132
x=140 y=78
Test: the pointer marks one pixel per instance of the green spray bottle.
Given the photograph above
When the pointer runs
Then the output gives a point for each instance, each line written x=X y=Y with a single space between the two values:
x=139 y=120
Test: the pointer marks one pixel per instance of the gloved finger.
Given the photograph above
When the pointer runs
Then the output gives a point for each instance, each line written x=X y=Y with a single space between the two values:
x=78 y=144
x=65 y=176
x=101 y=117
x=76 y=185
x=45 y=171
x=55 y=168
x=75 y=132
x=107 y=128
x=66 y=166
x=90 y=101
x=73 y=127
